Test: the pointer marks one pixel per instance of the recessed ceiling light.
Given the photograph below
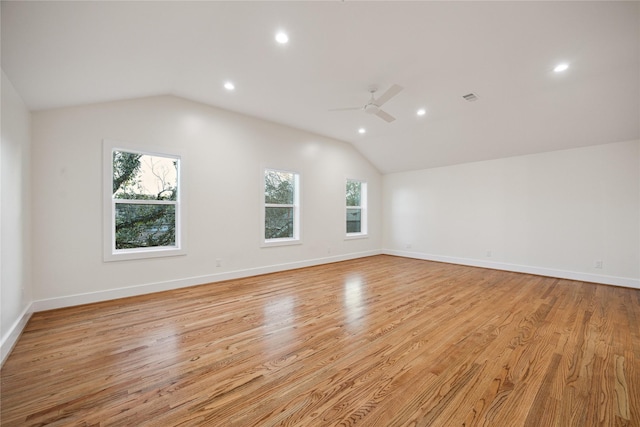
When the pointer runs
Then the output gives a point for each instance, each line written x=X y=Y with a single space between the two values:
x=421 y=112
x=282 y=37
x=229 y=86
x=561 y=67
x=361 y=130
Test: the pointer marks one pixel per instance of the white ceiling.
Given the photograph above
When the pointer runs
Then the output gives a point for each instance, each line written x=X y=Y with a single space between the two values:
x=68 y=53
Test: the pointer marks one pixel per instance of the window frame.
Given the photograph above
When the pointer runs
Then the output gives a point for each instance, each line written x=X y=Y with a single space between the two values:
x=110 y=253
x=297 y=210
x=364 y=232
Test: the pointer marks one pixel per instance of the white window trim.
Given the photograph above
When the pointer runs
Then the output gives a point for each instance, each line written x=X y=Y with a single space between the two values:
x=110 y=253
x=297 y=212
x=364 y=231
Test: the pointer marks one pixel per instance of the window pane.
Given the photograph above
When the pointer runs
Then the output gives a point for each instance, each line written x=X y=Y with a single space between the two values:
x=278 y=223
x=353 y=193
x=140 y=226
x=144 y=177
x=354 y=221
x=278 y=187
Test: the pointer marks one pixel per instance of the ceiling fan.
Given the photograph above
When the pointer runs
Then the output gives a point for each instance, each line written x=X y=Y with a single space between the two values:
x=373 y=106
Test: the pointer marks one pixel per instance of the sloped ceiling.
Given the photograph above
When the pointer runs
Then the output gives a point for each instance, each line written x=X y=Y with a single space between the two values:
x=68 y=53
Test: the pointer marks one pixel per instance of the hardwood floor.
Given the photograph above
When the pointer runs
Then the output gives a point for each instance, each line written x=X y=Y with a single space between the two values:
x=379 y=341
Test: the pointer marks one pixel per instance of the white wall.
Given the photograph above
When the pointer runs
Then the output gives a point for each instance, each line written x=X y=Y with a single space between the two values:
x=554 y=213
x=224 y=155
x=15 y=284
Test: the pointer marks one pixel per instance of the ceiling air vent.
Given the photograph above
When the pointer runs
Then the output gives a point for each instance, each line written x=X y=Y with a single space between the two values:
x=470 y=97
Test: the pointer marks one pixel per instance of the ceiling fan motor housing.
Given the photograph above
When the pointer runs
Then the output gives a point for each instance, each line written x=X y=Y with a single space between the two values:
x=371 y=109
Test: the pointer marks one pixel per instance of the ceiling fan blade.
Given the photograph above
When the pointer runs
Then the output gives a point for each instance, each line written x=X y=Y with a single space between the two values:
x=390 y=93
x=345 y=109
x=385 y=116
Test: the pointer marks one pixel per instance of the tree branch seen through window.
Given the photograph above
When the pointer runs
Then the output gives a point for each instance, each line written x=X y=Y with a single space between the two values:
x=145 y=192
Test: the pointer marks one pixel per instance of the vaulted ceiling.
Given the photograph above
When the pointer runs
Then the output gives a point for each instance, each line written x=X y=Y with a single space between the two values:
x=68 y=53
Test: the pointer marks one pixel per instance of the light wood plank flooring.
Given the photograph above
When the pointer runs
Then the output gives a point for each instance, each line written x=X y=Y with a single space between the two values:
x=378 y=341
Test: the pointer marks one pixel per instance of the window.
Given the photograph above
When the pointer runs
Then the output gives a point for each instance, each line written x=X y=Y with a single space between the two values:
x=356 y=208
x=281 y=207
x=142 y=204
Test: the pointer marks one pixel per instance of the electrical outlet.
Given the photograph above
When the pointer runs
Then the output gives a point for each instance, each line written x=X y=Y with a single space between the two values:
x=597 y=263
x=488 y=254
x=218 y=262
x=408 y=245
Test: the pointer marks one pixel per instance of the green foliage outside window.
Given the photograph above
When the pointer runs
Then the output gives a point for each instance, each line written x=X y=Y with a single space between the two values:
x=354 y=215
x=353 y=192
x=279 y=190
x=142 y=177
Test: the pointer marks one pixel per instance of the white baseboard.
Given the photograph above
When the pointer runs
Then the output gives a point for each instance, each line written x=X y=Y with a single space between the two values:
x=540 y=271
x=78 y=299
x=11 y=338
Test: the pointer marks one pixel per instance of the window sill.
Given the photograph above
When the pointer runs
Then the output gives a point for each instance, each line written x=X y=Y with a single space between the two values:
x=353 y=236
x=280 y=242
x=131 y=254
